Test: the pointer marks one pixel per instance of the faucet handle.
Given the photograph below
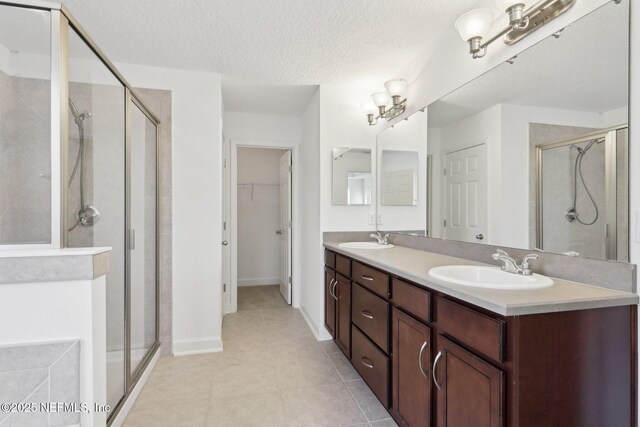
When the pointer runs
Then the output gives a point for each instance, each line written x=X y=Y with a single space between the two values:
x=526 y=269
x=501 y=252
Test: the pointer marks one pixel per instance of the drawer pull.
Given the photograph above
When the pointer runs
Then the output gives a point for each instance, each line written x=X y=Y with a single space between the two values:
x=435 y=364
x=424 y=374
x=366 y=314
x=367 y=277
x=334 y=290
x=366 y=362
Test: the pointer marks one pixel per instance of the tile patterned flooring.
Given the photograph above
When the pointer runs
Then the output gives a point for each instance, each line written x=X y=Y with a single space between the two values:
x=272 y=372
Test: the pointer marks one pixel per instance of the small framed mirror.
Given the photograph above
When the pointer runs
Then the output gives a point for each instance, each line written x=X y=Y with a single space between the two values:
x=351 y=176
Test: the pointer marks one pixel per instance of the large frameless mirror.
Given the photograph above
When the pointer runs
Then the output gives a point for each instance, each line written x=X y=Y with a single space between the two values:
x=402 y=167
x=534 y=153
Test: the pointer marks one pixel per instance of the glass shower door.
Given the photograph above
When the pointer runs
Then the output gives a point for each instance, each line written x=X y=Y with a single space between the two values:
x=95 y=187
x=142 y=250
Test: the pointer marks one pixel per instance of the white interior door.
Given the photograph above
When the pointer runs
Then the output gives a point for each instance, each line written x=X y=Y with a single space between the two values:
x=285 y=225
x=466 y=195
x=226 y=228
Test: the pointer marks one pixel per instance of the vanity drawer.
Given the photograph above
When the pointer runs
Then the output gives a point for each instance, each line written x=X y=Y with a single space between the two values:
x=411 y=299
x=343 y=265
x=371 y=363
x=372 y=279
x=330 y=259
x=482 y=333
x=371 y=314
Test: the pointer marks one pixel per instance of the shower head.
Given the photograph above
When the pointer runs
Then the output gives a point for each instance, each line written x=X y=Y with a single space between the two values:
x=77 y=116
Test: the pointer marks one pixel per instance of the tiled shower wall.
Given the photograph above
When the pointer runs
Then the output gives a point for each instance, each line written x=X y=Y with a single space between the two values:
x=25 y=150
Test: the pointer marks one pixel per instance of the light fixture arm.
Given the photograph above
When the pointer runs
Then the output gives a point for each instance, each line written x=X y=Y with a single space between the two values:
x=521 y=23
x=398 y=107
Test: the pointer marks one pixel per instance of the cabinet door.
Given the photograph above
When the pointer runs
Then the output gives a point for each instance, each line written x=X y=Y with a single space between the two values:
x=469 y=391
x=343 y=315
x=329 y=301
x=411 y=370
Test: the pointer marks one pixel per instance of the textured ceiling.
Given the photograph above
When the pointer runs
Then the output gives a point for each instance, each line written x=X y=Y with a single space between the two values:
x=586 y=69
x=271 y=42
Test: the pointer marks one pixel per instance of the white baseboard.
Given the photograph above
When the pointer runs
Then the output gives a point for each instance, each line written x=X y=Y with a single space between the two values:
x=197 y=346
x=128 y=404
x=261 y=281
x=320 y=333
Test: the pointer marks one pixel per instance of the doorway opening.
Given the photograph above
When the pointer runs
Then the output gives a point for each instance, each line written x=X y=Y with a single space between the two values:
x=261 y=223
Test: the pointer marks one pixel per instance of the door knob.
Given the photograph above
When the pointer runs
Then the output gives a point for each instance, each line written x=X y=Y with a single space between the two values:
x=225 y=243
x=278 y=232
x=479 y=236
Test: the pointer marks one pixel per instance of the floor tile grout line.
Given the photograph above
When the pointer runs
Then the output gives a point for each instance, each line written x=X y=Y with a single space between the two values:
x=357 y=403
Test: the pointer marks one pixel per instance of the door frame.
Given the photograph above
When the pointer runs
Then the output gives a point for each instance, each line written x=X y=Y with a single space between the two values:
x=230 y=297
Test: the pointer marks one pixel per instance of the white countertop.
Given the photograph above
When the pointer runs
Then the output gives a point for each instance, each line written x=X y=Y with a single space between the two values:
x=27 y=253
x=414 y=265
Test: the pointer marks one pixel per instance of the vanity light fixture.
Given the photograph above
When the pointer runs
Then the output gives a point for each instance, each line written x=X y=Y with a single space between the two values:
x=394 y=96
x=474 y=25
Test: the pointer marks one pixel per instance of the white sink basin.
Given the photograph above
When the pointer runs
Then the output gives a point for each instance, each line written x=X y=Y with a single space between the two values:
x=364 y=245
x=488 y=277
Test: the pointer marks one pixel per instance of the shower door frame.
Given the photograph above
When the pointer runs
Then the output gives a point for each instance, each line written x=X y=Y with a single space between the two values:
x=60 y=23
x=611 y=190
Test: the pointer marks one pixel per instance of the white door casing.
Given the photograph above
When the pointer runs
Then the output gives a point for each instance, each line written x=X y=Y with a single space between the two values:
x=285 y=226
x=466 y=195
x=226 y=228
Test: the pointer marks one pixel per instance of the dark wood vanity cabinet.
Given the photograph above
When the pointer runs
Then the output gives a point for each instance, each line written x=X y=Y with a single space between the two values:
x=469 y=391
x=411 y=385
x=433 y=360
x=329 y=301
x=343 y=314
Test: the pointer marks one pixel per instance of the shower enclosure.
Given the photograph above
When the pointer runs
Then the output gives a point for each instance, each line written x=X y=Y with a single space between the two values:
x=78 y=168
x=582 y=195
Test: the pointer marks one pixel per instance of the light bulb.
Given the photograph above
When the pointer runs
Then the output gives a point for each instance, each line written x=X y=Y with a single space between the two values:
x=396 y=87
x=475 y=23
x=380 y=99
x=369 y=108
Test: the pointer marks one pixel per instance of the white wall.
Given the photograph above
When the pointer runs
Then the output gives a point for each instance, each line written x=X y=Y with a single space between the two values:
x=264 y=127
x=196 y=145
x=311 y=213
x=343 y=124
x=259 y=255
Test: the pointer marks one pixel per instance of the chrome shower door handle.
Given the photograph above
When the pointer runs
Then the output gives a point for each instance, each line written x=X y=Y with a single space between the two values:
x=424 y=374
x=435 y=365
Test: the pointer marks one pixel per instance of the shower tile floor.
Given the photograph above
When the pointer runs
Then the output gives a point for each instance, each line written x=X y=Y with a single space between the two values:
x=272 y=372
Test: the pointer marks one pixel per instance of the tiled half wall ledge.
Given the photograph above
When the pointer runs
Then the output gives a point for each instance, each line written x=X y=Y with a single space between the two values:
x=39 y=374
x=614 y=275
x=53 y=265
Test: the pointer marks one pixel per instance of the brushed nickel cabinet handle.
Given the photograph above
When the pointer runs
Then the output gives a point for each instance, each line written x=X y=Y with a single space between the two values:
x=366 y=314
x=334 y=290
x=435 y=364
x=424 y=374
x=331 y=288
x=367 y=277
x=364 y=360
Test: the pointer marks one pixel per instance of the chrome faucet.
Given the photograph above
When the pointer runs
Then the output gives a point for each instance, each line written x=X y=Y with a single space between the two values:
x=382 y=240
x=510 y=265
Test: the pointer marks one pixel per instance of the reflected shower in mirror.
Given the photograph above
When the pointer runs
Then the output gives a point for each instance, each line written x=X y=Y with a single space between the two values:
x=351 y=176
x=402 y=174
x=533 y=154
